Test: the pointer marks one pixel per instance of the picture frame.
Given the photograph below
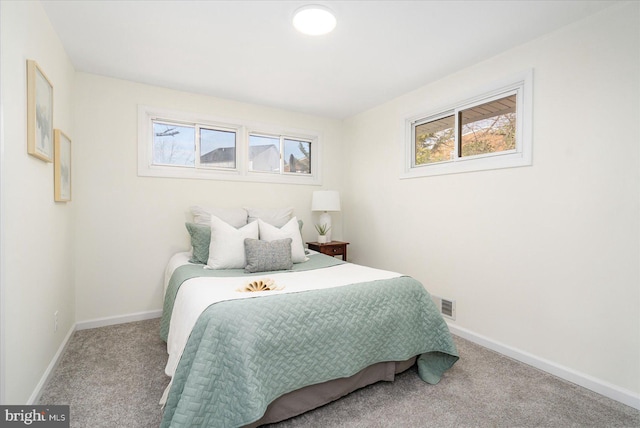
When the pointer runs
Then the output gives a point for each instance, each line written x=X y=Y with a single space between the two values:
x=62 y=167
x=39 y=113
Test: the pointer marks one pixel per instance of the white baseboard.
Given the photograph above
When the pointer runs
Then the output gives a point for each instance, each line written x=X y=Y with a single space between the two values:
x=119 y=319
x=37 y=392
x=84 y=325
x=599 y=386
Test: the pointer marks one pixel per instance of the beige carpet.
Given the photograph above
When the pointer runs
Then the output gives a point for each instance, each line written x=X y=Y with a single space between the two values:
x=114 y=376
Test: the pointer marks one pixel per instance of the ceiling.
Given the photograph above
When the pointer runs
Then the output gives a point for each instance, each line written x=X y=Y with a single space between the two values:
x=248 y=50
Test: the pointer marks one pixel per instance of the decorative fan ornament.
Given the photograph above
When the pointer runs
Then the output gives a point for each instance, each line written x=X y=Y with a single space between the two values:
x=265 y=284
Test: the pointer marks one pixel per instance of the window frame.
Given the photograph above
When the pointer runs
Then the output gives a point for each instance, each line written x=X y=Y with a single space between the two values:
x=520 y=86
x=146 y=168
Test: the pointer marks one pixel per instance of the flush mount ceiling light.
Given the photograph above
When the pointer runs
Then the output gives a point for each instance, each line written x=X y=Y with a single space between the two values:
x=314 y=20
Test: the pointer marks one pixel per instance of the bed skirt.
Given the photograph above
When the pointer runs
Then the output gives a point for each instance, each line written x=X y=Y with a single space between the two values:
x=310 y=397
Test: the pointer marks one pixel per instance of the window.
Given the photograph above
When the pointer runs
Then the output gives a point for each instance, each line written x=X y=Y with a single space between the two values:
x=264 y=154
x=217 y=148
x=174 y=144
x=434 y=140
x=297 y=156
x=486 y=132
x=276 y=154
x=488 y=128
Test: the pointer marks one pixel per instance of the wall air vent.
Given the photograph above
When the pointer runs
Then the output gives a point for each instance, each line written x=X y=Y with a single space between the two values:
x=447 y=307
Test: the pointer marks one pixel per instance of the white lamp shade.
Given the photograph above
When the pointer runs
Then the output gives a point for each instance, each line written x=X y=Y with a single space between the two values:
x=325 y=200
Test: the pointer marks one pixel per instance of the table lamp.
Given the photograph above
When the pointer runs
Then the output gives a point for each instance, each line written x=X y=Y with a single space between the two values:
x=325 y=201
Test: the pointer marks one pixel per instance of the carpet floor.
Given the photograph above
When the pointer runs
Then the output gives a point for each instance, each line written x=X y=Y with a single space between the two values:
x=114 y=377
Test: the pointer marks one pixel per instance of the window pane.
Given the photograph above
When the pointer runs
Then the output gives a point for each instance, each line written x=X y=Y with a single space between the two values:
x=297 y=156
x=489 y=128
x=264 y=153
x=217 y=148
x=435 y=141
x=173 y=144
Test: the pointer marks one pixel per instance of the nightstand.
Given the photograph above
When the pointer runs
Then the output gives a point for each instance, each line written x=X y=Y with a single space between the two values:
x=333 y=248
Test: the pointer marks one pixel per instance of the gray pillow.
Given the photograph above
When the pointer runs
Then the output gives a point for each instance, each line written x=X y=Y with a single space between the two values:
x=264 y=256
x=200 y=239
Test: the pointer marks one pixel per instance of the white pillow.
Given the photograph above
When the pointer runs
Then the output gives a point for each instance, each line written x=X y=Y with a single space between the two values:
x=277 y=217
x=226 y=250
x=236 y=217
x=289 y=230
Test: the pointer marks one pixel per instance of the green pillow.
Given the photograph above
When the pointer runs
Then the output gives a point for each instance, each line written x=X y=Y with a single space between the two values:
x=200 y=239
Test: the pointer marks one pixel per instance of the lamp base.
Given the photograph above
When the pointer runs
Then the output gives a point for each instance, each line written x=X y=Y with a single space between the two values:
x=325 y=218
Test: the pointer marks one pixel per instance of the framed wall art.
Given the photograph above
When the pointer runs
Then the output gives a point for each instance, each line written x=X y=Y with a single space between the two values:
x=62 y=167
x=39 y=113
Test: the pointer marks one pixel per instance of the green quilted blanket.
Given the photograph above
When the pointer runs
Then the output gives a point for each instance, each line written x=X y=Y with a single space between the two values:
x=243 y=354
x=185 y=272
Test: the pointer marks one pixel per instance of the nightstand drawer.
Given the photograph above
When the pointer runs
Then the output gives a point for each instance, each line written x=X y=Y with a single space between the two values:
x=333 y=248
x=335 y=251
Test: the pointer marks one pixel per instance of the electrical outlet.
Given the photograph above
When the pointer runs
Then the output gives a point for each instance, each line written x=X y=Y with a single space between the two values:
x=55 y=321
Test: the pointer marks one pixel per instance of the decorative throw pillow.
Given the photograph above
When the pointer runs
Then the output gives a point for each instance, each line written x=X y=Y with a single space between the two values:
x=200 y=240
x=226 y=250
x=263 y=256
x=289 y=230
x=236 y=217
x=274 y=216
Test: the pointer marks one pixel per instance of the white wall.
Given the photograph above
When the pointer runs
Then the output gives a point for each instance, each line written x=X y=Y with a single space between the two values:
x=37 y=233
x=544 y=259
x=128 y=226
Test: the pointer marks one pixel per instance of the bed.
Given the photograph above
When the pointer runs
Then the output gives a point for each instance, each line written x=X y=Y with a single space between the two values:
x=326 y=328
